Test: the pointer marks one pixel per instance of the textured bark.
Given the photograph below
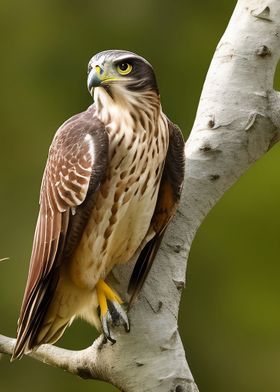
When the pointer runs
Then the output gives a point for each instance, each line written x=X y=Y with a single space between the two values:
x=237 y=121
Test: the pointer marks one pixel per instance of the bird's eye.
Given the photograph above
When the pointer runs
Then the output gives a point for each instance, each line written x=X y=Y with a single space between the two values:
x=124 y=68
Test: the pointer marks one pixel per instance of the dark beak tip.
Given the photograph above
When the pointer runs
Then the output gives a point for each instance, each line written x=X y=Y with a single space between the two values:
x=93 y=81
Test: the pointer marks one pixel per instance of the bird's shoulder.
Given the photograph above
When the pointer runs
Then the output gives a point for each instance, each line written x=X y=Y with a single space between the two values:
x=74 y=130
x=76 y=161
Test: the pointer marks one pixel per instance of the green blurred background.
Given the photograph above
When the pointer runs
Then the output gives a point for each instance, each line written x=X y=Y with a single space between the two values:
x=229 y=320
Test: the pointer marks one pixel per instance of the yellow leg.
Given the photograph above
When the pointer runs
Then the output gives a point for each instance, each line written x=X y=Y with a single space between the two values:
x=101 y=300
x=105 y=294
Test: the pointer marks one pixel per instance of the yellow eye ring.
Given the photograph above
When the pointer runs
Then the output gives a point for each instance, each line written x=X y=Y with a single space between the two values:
x=124 y=68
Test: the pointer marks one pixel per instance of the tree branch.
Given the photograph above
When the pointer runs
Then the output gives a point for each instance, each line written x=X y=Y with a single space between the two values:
x=74 y=362
x=237 y=121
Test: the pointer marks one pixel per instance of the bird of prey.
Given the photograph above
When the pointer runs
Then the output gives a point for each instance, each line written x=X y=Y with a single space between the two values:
x=111 y=184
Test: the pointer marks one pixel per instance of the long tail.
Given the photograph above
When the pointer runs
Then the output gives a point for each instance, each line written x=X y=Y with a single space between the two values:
x=46 y=316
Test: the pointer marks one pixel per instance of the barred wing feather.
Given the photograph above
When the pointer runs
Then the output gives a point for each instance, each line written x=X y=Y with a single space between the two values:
x=76 y=166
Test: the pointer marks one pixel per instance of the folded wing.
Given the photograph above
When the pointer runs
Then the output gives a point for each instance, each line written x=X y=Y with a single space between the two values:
x=76 y=166
x=167 y=202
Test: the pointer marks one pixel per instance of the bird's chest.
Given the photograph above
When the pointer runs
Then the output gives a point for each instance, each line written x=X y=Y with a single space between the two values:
x=125 y=202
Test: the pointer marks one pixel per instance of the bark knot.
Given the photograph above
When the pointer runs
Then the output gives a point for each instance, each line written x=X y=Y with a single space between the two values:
x=180 y=284
x=206 y=148
x=214 y=177
x=211 y=123
x=263 y=51
x=262 y=13
x=84 y=372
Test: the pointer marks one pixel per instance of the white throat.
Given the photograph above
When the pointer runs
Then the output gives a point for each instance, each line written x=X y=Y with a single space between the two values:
x=123 y=104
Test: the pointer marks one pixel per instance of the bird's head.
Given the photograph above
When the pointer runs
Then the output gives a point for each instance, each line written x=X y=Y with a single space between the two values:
x=120 y=70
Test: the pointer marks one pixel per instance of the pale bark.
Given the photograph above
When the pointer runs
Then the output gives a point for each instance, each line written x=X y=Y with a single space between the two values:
x=238 y=120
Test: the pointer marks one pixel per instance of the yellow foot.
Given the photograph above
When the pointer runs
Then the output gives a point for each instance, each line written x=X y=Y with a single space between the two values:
x=111 y=311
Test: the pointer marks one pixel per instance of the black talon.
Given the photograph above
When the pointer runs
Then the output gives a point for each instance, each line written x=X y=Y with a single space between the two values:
x=116 y=317
x=105 y=321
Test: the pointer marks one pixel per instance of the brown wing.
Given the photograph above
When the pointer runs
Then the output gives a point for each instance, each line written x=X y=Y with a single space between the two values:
x=75 y=167
x=167 y=202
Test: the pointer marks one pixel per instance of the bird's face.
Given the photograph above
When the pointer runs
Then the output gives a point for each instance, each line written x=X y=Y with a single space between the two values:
x=114 y=68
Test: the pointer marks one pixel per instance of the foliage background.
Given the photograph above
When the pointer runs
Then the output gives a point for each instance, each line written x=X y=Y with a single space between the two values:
x=229 y=318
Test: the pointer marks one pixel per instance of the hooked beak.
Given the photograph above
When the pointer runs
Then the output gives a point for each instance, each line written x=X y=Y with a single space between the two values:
x=98 y=77
x=95 y=78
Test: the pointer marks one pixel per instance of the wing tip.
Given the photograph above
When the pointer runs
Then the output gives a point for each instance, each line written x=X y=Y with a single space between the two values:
x=19 y=350
x=142 y=267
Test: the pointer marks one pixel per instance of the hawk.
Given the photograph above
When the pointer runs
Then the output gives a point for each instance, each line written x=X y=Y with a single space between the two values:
x=112 y=183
